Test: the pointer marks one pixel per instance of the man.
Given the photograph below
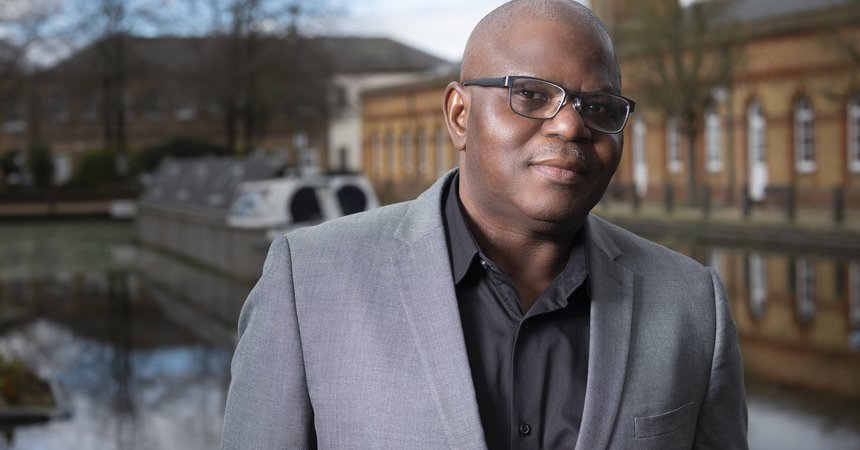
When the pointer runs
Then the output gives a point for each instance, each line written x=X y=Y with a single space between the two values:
x=494 y=311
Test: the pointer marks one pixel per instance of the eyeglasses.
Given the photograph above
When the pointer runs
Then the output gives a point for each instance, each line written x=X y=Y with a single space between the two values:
x=539 y=99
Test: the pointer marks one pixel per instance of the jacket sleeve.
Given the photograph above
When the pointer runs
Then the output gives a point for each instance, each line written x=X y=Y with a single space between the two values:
x=722 y=422
x=268 y=406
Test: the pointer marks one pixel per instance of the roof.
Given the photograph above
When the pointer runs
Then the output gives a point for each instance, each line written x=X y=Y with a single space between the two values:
x=206 y=183
x=757 y=10
x=374 y=54
x=187 y=54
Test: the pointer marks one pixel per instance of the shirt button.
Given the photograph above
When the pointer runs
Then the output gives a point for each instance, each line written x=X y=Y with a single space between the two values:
x=525 y=429
x=526 y=324
x=483 y=264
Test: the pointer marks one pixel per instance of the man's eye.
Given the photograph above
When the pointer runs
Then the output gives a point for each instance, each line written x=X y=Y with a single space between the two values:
x=533 y=96
x=596 y=108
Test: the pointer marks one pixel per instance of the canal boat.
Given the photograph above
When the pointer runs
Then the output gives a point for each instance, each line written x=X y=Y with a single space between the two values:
x=223 y=212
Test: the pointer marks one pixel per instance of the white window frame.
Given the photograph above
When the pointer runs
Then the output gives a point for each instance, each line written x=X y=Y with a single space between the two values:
x=853 y=128
x=804 y=136
x=757 y=132
x=713 y=140
x=673 y=146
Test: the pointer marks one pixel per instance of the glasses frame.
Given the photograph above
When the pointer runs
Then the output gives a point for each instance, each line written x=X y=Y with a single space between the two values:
x=508 y=81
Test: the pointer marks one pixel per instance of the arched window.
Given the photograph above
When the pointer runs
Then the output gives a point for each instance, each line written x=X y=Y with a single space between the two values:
x=673 y=146
x=713 y=140
x=804 y=136
x=756 y=128
x=757 y=171
x=854 y=133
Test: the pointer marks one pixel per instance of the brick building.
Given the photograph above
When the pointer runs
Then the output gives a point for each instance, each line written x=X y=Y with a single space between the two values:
x=175 y=87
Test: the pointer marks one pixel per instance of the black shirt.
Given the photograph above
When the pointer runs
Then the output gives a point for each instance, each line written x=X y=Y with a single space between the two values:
x=529 y=370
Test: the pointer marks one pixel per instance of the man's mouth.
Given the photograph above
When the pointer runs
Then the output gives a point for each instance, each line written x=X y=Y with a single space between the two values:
x=559 y=170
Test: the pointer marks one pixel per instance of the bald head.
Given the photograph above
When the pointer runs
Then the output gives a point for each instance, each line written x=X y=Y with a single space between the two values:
x=495 y=30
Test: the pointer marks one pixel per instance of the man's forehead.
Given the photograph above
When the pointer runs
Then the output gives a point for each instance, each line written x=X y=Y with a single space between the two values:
x=545 y=49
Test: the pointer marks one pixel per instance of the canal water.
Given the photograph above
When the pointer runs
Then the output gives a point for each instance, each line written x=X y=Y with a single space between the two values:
x=140 y=365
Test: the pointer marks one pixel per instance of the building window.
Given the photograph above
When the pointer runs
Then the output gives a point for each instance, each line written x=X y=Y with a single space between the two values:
x=713 y=140
x=756 y=128
x=184 y=110
x=90 y=108
x=805 y=290
x=341 y=97
x=128 y=107
x=390 y=157
x=423 y=158
x=58 y=108
x=854 y=133
x=153 y=107
x=441 y=151
x=757 y=273
x=673 y=146
x=376 y=153
x=804 y=136
x=408 y=156
x=640 y=163
x=715 y=261
x=214 y=109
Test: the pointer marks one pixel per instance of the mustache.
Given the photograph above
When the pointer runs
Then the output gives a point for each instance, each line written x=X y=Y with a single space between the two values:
x=566 y=152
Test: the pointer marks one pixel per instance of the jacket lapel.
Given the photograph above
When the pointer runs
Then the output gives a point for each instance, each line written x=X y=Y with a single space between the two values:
x=611 y=320
x=423 y=273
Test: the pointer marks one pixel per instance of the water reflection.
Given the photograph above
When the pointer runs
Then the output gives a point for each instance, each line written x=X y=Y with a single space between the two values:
x=141 y=341
x=798 y=315
x=75 y=308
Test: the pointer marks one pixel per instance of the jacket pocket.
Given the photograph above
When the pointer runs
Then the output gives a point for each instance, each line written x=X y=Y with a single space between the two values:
x=661 y=424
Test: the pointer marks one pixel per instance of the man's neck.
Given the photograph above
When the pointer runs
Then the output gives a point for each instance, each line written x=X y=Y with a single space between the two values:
x=532 y=259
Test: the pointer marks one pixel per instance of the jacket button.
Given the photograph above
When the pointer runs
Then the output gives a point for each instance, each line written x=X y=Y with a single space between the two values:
x=525 y=428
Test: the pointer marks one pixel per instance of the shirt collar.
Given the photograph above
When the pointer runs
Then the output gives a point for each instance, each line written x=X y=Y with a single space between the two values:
x=461 y=245
x=463 y=250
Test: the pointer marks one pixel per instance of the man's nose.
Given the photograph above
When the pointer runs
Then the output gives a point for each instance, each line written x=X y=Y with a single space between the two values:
x=568 y=124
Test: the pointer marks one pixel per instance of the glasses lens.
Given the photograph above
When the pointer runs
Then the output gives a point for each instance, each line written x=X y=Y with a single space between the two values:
x=603 y=112
x=535 y=98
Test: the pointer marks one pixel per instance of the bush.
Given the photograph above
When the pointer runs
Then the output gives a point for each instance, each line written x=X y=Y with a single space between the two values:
x=41 y=166
x=96 y=169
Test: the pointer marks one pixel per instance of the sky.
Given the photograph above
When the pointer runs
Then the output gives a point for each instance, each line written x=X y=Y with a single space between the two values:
x=439 y=27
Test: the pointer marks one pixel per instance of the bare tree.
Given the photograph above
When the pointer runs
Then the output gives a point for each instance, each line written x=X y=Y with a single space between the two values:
x=685 y=54
x=265 y=68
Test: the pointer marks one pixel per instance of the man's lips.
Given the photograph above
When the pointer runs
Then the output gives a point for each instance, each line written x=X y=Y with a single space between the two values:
x=559 y=170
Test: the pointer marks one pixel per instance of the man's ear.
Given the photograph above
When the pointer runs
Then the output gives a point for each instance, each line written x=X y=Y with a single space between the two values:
x=456 y=107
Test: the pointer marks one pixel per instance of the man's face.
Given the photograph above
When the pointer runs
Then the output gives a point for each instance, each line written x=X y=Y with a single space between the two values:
x=538 y=174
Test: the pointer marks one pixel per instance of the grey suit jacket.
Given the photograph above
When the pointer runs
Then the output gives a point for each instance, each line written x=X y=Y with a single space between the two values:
x=352 y=339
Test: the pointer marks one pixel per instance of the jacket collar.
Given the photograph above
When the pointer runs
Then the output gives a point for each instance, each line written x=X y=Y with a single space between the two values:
x=421 y=266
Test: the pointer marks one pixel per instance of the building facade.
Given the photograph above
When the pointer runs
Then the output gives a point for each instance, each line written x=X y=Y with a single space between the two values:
x=179 y=87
